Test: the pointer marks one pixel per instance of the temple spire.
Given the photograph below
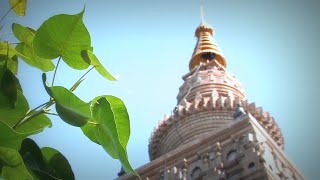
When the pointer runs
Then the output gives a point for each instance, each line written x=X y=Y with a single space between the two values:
x=206 y=48
x=202 y=15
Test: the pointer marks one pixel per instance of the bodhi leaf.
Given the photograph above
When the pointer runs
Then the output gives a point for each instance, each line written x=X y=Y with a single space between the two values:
x=27 y=54
x=31 y=155
x=12 y=164
x=25 y=49
x=13 y=115
x=19 y=6
x=8 y=88
x=69 y=107
x=88 y=128
x=7 y=49
x=90 y=58
x=63 y=35
x=58 y=163
x=35 y=125
x=12 y=64
x=10 y=138
x=38 y=161
x=23 y=34
x=109 y=132
x=8 y=57
x=119 y=110
x=88 y=131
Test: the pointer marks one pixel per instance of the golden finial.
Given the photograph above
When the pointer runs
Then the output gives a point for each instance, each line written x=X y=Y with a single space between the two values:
x=202 y=14
x=206 y=48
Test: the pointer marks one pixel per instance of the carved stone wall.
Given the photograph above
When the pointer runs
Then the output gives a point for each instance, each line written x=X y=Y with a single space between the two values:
x=242 y=149
x=204 y=115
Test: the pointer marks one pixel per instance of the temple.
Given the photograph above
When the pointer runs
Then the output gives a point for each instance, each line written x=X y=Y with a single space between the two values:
x=214 y=132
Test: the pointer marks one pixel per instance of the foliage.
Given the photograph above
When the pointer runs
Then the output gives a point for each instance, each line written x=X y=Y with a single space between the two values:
x=104 y=120
x=45 y=163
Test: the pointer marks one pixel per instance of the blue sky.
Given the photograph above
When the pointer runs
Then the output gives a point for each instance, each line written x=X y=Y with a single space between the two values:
x=270 y=46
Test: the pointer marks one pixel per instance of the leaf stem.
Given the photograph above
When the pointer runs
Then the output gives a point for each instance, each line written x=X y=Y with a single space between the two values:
x=41 y=106
x=33 y=113
x=6 y=33
x=6 y=13
x=12 y=7
x=34 y=109
x=5 y=64
x=55 y=71
x=51 y=113
x=94 y=123
x=76 y=84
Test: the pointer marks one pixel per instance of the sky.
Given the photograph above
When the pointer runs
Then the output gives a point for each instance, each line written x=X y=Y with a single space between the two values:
x=271 y=46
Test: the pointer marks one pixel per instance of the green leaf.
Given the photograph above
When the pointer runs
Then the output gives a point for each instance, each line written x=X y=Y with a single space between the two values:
x=112 y=132
x=120 y=111
x=27 y=54
x=23 y=34
x=58 y=163
x=19 y=6
x=88 y=131
x=13 y=115
x=12 y=64
x=8 y=88
x=75 y=86
x=63 y=35
x=90 y=58
x=10 y=138
x=31 y=154
x=42 y=168
x=75 y=115
x=7 y=49
x=35 y=125
x=3 y=58
x=13 y=167
x=88 y=128
x=69 y=107
x=25 y=48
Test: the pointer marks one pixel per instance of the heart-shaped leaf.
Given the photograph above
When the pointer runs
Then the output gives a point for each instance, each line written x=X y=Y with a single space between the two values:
x=35 y=125
x=63 y=35
x=12 y=64
x=31 y=155
x=119 y=110
x=88 y=128
x=8 y=88
x=112 y=131
x=46 y=163
x=58 y=163
x=23 y=34
x=12 y=164
x=69 y=107
x=7 y=49
x=90 y=58
x=25 y=48
x=10 y=138
x=27 y=54
x=72 y=113
x=12 y=116
x=88 y=131
x=19 y=6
